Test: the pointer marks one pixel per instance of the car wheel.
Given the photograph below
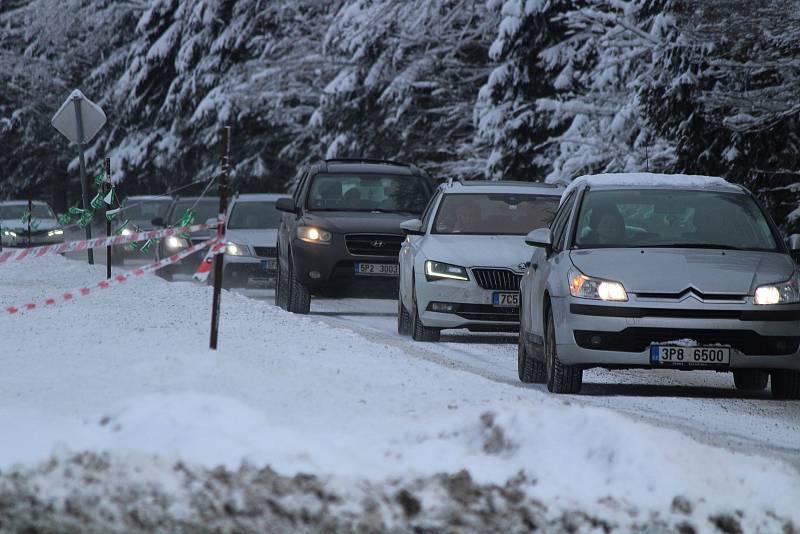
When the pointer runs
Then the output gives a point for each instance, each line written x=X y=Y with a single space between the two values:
x=420 y=332
x=529 y=369
x=403 y=318
x=785 y=384
x=280 y=287
x=560 y=378
x=299 y=298
x=165 y=273
x=750 y=379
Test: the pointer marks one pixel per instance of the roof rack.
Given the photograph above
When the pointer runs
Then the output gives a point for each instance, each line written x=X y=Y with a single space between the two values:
x=368 y=160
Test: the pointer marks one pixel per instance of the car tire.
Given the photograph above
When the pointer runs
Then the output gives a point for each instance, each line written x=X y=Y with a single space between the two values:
x=529 y=369
x=750 y=379
x=299 y=297
x=785 y=384
x=280 y=288
x=560 y=378
x=420 y=332
x=403 y=318
x=165 y=273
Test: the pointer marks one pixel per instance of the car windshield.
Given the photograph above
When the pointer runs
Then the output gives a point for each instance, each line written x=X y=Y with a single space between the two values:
x=17 y=211
x=494 y=213
x=146 y=210
x=680 y=219
x=392 y=193
x=251 y=214
x=204 y=210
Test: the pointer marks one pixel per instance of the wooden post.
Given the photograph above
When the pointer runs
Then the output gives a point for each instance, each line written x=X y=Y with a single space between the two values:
x=218 y=259
x=107 y=190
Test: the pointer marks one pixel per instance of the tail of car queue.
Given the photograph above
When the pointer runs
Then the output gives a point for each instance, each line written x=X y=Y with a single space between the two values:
x=619 y=271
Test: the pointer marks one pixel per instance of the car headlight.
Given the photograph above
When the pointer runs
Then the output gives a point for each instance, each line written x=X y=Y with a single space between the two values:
x=309 y=234
x=235 y=249
x=436 y=270
x=53 y=233
x=175 y=242
x=586 y=287
x=126 y=232
x=783 y=293
x=10 y=233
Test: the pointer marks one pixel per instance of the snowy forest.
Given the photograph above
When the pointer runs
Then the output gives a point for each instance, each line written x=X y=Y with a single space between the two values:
x=515 y=89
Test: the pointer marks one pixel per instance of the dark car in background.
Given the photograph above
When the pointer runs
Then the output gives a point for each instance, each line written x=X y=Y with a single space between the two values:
x=137 y=215
x=44 y=227
x=204 y=208
x=342 y=226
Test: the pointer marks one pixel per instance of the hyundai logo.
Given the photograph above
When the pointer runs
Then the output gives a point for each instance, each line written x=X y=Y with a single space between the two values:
x=377 y=244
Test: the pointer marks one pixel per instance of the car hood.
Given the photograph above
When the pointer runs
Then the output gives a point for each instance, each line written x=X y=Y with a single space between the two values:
x=19 y=226
x=256 y=238
x=366 y=222
x=479 y=250
x=676 y=270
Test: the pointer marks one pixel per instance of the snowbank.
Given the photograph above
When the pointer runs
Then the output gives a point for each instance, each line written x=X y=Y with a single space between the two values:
x=128 y=374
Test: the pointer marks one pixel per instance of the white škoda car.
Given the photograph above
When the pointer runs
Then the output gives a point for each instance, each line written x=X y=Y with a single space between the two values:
x=461 y=264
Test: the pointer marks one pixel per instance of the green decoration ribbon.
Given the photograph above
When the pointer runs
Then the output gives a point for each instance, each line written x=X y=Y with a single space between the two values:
x=27 y=217
x=97 y=201
x=86 y=218
x=121 y=227
x=75 y=210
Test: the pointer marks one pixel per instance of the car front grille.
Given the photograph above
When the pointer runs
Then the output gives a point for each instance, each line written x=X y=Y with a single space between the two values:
x=502 y=279
x=385 y=245
x=639 y=339
x=266 y=252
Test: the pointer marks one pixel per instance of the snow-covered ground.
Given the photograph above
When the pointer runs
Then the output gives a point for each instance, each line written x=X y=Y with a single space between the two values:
x=405 y=435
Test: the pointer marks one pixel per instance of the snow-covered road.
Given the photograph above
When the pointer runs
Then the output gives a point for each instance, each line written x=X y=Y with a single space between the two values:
x=376 y=420
x=702 y=404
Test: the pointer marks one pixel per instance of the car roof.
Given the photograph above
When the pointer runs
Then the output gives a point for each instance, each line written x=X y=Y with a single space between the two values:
x=370 y=166
x=504 y=186
x=141 y=198
x=646 y=180
x=253 y=197
x=22 y=203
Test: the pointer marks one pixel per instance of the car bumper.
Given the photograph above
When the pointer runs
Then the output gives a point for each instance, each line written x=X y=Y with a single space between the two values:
x=319 y=266
x=610 y=335
x=472 y=305
x=36 y=241
x=243 y=268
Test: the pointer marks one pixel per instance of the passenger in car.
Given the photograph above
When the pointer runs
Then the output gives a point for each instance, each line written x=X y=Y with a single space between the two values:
x=606 y=226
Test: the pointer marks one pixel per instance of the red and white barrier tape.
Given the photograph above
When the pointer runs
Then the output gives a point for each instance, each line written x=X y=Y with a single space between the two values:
x=205 y=266
x=75 y=246
x=118 y=279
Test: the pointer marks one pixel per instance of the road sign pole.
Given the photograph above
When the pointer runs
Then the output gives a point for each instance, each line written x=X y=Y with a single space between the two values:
x=219 y=258
x=84 y=193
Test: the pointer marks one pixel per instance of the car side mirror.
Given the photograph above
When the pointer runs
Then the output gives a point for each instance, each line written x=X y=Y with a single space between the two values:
x=541 y=237
x=286 y=204
x=412 y=227
x=157 y=221
x=793 y=241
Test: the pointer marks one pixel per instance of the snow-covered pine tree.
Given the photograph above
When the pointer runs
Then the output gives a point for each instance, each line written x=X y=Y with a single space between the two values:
x=509 y=127
x=601 y=69
x=409 y=73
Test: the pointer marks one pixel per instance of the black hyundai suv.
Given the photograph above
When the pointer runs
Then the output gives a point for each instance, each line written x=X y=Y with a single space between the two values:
x=343 y=226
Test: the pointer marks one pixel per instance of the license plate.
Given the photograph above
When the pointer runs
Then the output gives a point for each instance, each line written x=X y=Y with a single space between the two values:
x=506 y=299
x=673 y=355
x=377 y=269
x=269 y=265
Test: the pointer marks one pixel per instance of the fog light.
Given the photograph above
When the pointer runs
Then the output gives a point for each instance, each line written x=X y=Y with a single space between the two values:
x=314 y=274
x=596 y=341
x=442 y=307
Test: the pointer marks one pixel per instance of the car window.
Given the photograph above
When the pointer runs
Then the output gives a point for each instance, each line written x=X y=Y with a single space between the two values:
x=493 y=213
x=668 y=218
x=254 y=214
x=426 y=215
x=146 y=210
x=559 y=225
x=17 y=211
x=368 y=192
x=204 y=210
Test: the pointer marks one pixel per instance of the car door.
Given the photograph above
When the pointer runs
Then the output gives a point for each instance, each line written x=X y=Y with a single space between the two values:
x=544 y=263
x=288 y=226
x=411 y=248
